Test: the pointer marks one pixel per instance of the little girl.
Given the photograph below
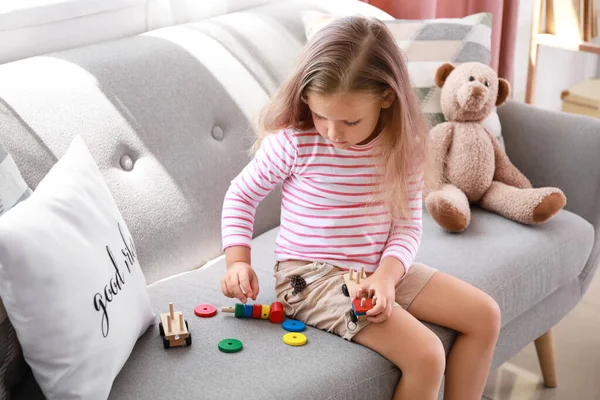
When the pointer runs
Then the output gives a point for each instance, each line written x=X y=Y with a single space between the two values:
x=345 y=138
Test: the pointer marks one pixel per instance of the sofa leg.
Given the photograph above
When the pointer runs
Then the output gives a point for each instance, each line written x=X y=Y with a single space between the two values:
x=544 y=346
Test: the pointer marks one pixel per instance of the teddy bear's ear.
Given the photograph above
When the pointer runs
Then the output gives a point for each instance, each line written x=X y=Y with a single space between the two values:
x=503 y=91
x=442 y=73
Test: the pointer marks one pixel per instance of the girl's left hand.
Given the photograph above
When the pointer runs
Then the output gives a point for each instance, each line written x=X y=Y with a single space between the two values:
x=384 y=290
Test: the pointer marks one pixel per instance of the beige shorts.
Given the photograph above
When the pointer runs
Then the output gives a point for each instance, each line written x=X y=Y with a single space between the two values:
x=322 y=303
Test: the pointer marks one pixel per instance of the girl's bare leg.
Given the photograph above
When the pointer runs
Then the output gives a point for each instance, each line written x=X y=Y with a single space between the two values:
x=414 y=348
x=450 y=302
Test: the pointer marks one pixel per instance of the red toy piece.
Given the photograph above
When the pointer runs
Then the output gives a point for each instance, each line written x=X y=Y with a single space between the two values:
x=360 y=307
x=277 y=316
x=256 y=311
x=205 y=310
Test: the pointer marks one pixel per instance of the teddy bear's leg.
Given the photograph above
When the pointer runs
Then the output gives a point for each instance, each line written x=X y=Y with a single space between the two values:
x=528 y=206
x=449 y=207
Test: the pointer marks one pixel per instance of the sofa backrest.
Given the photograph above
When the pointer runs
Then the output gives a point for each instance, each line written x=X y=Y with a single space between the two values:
x=168 y=117
x=183 y=11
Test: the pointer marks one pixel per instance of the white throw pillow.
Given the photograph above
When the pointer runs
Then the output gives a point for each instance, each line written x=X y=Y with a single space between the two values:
x=71 y=281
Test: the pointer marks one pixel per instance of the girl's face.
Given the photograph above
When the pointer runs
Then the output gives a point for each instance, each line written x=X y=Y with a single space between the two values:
x=346 y=119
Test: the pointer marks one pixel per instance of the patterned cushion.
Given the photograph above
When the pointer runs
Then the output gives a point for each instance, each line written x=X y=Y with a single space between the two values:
x=430 y=43
x=427 y=44
x=13 y=190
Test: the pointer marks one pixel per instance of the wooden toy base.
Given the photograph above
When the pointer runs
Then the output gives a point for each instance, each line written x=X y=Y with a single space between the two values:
x=353 y=278
x=178 y=335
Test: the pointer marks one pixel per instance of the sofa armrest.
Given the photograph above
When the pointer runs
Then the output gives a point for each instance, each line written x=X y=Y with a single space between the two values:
x=556 y=149
x=561 y=150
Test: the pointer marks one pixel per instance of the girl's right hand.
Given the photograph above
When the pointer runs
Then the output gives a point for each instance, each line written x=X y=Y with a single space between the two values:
x=240 y=275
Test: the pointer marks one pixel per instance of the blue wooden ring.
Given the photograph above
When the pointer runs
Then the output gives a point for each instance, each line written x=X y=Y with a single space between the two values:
x=247 y=310
x=291 y=325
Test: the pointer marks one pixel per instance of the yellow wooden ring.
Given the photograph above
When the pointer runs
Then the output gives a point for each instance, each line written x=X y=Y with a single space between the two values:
x=266 y=310
x=294 y=339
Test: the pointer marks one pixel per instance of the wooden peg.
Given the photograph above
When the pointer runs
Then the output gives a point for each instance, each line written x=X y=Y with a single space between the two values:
x=228 y=309
x=374 y=300
x=358 y=278
x=181 y=322
x=362 y=272
x=362 y=302
x=351 y=273
x=171 y=311
x=169 y=325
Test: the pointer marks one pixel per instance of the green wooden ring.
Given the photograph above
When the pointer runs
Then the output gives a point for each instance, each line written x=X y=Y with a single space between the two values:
x=230 y=345
x=239 y=310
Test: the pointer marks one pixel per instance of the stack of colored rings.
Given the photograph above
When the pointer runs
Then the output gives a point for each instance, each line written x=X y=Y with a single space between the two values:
x=274 y=312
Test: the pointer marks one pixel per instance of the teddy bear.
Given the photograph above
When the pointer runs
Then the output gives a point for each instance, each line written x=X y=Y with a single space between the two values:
x=470 y=166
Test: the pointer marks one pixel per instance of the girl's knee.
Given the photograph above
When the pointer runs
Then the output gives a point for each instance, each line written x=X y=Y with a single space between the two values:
x=430 y=361
x=487 y=319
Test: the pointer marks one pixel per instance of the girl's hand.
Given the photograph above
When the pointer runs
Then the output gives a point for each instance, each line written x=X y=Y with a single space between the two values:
x=240 y=281
x=385 y=292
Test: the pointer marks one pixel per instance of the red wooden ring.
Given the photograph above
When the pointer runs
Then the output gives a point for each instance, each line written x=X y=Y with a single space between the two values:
x=257 y=311
x=205 y=310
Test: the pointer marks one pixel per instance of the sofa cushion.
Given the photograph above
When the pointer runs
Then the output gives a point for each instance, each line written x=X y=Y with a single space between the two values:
x=518 y=265
x=264 y=368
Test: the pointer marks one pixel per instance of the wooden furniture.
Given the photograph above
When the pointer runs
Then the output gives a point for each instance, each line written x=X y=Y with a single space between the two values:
x=548 y=35
x=544 y=346
x=583 y=98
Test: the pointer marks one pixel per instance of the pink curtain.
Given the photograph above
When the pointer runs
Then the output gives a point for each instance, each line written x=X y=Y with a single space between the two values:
x=504 y=22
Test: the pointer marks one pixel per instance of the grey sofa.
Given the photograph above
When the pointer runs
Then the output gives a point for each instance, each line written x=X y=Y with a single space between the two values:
x=167 y=116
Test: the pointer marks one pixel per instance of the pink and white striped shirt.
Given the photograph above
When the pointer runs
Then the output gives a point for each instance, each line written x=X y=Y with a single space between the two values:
x=327 y=212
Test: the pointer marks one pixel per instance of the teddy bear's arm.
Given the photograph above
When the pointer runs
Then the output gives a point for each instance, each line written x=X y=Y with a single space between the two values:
x=440 y=140
x=506 y=172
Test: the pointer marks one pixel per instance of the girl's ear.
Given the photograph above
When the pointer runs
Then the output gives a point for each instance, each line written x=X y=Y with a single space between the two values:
x=388 y=98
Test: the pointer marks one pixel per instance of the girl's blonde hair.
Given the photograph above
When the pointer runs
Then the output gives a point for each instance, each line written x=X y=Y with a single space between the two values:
x=358 y=54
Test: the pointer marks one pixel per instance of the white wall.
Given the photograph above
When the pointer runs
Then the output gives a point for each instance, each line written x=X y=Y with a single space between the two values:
x=557 y=69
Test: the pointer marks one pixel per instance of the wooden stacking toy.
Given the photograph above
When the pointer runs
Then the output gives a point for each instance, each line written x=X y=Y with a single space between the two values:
x=360 y=305
x=274 y=312
x=177 y=331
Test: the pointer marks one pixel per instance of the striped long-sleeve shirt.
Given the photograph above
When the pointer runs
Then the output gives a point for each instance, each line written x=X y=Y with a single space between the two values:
x=327 y=209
